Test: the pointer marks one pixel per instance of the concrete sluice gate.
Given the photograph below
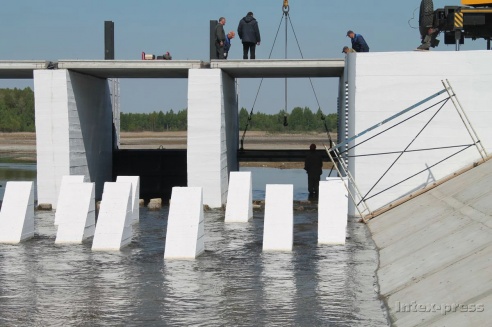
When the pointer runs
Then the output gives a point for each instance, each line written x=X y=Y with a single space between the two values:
x=434 y=250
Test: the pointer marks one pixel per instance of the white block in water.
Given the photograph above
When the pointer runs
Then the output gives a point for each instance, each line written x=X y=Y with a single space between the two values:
x=135 y=181
x=332 y=211
x=240 y=197
x=185 y=224
x=278 y=231
x=62 y=196
x=114 y=224
x=17 y=214
x=77 y=212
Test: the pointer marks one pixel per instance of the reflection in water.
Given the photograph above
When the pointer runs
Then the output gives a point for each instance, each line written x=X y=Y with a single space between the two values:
x=232 y=284
x=16 y=172
x=279 y=288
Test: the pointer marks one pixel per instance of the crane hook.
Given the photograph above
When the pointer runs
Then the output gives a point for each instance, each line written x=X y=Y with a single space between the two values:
x=286 y=8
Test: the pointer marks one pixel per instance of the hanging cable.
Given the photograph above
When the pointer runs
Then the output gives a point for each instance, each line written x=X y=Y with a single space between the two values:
x=285 y=10
x=258 y=91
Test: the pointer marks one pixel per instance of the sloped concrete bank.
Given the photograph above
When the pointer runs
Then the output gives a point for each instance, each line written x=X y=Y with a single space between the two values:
x=435 y=254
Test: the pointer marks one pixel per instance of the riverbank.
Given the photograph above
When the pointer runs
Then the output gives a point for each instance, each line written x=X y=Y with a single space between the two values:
x=21 y=147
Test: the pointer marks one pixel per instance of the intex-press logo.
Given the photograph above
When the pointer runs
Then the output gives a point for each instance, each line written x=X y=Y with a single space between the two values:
x=443 y=308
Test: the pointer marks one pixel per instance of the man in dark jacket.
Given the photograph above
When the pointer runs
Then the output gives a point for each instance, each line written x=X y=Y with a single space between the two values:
x=313 y=165
x=358 y=42
x=249 y=33
x=220 y=38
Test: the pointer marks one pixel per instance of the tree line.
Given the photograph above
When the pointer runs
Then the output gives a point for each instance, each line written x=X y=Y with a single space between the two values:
x=299 y=120
x=17 y=115
x=17 y=110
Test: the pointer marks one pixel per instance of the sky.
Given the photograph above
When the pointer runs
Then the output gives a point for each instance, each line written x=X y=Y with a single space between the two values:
x=67 y=29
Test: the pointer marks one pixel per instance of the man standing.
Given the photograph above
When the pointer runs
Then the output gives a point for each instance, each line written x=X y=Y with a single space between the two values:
x=358 y=42
x=220 y=38
x=249 y=33
x=227 y=43
x=313 y=165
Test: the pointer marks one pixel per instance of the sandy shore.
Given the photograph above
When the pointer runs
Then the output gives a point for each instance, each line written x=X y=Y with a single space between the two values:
x=22 y=146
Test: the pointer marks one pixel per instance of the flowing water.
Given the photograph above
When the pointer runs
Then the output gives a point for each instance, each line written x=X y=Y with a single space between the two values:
x=232 y=284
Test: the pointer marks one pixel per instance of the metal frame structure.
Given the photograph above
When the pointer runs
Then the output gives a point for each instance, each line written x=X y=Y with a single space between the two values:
x=335 y=154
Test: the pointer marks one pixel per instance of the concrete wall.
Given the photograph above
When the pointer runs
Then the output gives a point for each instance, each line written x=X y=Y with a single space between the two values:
x=212 y=133
x=73 y=130
x=382 y=84
x=435 y=254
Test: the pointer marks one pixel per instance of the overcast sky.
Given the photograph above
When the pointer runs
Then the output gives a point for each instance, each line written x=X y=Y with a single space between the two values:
x=69 y=29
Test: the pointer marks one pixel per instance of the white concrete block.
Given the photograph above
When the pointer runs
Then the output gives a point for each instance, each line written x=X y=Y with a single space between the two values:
x=135 y=181
x=185 y=225
x=332 y=211
x=114 y=224
x=17 y=213
x=78 y=213
x=64 y=198
x=239 y=198
x=278 y=231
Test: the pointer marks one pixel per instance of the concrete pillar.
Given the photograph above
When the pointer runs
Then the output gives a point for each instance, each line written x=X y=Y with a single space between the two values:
x=240 y=197
x=17 y=214
x=185 y=225
x=135 y=181
x=64 y=197
x=332 y=211
x=213 y=133
x=114 y=224
x=278 y=231
x=77 y=212
x=74 y=130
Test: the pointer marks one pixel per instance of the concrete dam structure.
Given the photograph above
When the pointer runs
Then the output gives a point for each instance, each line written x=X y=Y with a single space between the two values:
x=434 y=250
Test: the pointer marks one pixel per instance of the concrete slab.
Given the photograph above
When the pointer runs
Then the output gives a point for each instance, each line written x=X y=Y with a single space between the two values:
x=19 y=69
x=132 y=68
x=278 y=231
x=454 y=285
x=114 y=224
x=239 y=197
x=79 y=213
x=185 y=232
x=64 y=202
x=17 y=214
x=279 y=68
x=135 y=181
x=332 y=211
x=436 y=251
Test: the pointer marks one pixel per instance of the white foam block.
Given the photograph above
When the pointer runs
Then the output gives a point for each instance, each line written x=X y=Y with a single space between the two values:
x=135 y=181
x=63 y=197
x=78 y=212
x=332 y=211
x=278 y=231
x=17 y=214
x=240 y=197
x=185 y=225
x=114 y=224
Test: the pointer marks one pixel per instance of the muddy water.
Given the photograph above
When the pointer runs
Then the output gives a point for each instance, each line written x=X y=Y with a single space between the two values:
x=232 y=284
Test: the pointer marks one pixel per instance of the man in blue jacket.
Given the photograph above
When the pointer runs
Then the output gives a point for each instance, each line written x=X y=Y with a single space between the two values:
x=249 y=33
x=358 y=42
x=227 y=43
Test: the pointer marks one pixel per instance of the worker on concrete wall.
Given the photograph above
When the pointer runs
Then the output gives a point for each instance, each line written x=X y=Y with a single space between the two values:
x=313 y=165
x=220 y=38
x=249 y=33
x=227 y=43
x=358 y=42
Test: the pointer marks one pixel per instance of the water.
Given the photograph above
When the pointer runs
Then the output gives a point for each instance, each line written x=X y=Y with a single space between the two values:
x=232 y=284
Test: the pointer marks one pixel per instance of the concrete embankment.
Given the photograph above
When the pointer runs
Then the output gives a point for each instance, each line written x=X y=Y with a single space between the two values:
x=435 y=254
